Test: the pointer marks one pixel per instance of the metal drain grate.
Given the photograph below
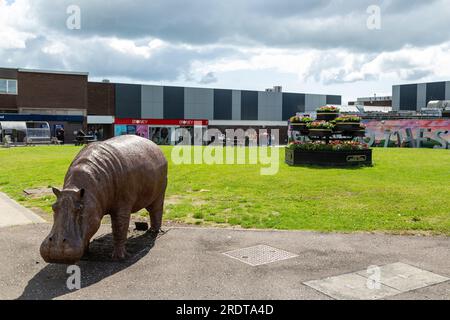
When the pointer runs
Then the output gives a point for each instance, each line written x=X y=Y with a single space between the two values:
x=259 y=255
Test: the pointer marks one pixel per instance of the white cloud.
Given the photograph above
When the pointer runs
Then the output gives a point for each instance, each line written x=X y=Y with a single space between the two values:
x=16 y=24
x=129 y=47
x=318 y=45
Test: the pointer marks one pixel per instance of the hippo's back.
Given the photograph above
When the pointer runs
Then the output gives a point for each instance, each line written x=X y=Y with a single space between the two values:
x=136 y=148
x=128 y=168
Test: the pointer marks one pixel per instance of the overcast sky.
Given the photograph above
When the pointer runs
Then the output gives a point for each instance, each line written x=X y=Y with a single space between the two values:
x=313 y=46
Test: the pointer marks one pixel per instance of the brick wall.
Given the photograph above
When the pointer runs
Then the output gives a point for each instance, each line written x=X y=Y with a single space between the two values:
x=101 y=99
x=46 y=90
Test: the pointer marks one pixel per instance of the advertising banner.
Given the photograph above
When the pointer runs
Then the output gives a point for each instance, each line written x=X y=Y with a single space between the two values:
x=142 y=131
x=120 y=130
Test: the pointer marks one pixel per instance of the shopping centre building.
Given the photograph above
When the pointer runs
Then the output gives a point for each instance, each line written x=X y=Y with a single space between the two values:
x=69 y=100
x=416 y=96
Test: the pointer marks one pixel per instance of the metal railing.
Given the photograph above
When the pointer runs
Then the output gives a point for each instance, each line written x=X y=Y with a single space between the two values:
x=38 y=135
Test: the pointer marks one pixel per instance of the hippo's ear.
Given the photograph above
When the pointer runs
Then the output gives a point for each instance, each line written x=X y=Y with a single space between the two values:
x=56 y=191
x=81 y=193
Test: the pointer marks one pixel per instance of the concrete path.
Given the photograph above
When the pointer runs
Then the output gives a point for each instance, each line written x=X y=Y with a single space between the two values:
x=200 y=263
x=12 y=214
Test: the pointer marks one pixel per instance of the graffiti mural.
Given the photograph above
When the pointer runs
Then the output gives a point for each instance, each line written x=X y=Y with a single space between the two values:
x=409 y=133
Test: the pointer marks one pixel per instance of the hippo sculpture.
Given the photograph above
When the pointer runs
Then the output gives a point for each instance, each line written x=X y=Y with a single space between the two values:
x=118 y=177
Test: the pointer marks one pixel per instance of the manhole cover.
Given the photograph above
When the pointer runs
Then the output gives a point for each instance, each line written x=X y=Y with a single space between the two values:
x=259 y=255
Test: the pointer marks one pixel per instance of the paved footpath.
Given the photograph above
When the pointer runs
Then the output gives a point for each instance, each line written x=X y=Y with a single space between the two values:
x=11 y=213
x=200 y=263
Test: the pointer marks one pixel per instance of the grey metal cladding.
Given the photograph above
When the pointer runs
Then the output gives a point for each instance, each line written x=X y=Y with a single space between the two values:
x=408 y=97
x=152 y=102
x=223 y=104
x=421 y=95
x=395 y=98
x=128 y=101
x=435 y=91
x=236 y=105
x=198 y=103
x=249 y=105
x=293 y=103
x=333 y=99
x=447 y=90
x=270 y=106
x=314 y=101
x=173 y=102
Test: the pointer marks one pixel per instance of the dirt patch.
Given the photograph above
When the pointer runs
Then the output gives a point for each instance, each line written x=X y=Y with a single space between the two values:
x=199 y=202
x=177 y=199
x=173 y=200
x=38 y=192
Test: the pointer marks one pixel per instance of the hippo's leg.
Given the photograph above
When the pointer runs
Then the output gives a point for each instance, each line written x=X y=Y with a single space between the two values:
x=120 y=223
x=156 y=212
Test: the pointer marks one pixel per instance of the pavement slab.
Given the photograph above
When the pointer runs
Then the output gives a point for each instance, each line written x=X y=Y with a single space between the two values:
x=403 y=277
x=377 y=282
x=189 y=263
x=12 y=213
x=351 y=286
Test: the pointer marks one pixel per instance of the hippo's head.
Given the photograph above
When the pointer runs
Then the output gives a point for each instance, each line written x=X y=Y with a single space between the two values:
x=67 y=240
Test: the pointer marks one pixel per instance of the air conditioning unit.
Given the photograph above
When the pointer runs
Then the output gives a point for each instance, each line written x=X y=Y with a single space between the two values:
x=439 y=104
x=278 y=89
x=275 y=89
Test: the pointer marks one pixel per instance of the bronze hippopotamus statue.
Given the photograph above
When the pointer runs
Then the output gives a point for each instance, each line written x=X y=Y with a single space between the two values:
x=117 y=177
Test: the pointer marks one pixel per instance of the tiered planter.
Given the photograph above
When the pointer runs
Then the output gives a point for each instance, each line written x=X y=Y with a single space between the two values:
x=320 y=132
x=347 y=126
x=326 y=116
x=324 y=150
x=350 y=158
x=300 y=127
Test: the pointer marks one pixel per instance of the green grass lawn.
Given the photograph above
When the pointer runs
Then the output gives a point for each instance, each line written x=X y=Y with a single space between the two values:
x=406 y=191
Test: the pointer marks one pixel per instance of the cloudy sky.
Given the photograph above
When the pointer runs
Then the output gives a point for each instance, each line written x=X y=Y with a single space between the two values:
x=314 y=46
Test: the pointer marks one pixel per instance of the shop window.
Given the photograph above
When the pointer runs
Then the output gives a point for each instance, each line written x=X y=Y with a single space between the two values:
x=8 y=86
x=12 y=86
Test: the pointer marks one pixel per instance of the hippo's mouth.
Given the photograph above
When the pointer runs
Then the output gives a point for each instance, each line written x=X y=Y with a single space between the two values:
x=61 y=256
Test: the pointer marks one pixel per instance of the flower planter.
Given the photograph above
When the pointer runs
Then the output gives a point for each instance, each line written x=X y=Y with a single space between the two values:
x=300 y=127
x=347 y=126
x=347 y=158
x=320 y=132
x=326 y=116
x=359 y=133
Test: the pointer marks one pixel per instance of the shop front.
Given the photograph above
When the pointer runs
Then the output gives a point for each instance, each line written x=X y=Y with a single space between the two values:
x=162 y=132
x=55 y=124
x=100 y=126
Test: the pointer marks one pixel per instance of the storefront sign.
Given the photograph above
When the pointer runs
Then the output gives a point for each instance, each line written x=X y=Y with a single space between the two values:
x=162 y=122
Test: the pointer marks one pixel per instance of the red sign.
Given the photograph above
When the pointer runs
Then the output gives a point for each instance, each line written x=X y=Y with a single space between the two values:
x=162 y=122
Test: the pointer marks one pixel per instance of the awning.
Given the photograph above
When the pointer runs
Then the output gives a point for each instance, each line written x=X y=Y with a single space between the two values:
x=100 y=119
x=11 y=125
